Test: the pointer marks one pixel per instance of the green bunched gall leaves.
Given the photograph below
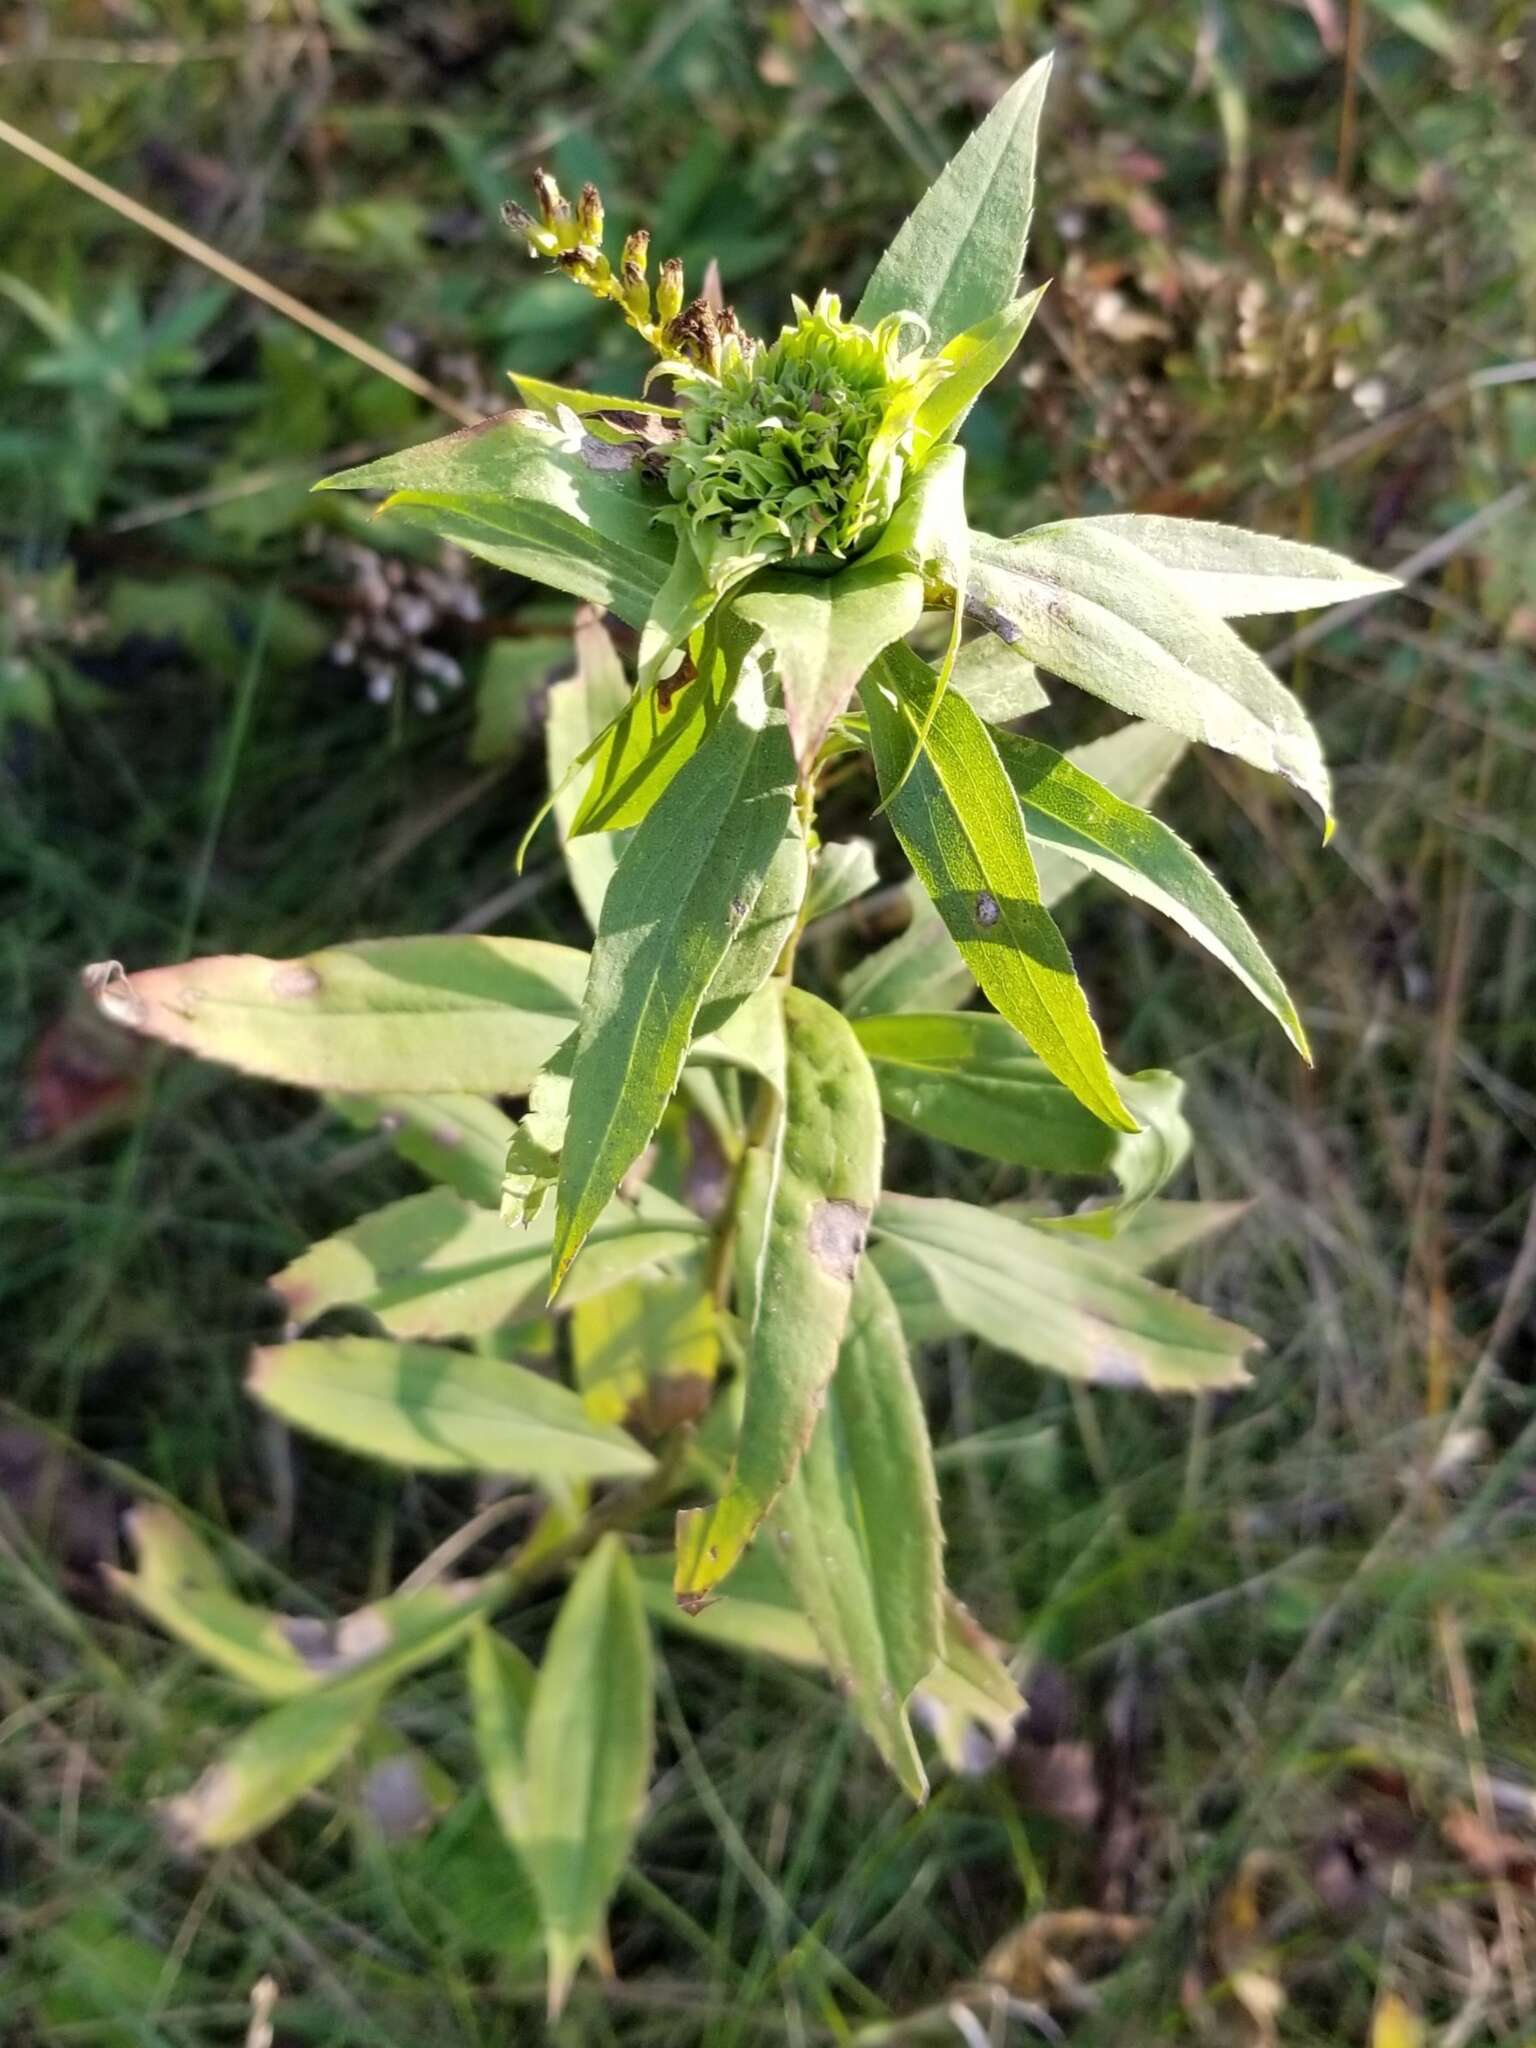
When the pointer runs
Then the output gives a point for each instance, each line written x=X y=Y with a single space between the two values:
x=817 y=1217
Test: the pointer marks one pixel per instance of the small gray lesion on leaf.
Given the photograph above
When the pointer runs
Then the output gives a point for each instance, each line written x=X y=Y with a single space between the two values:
x=328 y=1648
x=604 y=455
x=1115 y=1367
x=836 y=1234
x=989 y=616
x=988 y=910
x=295 y=979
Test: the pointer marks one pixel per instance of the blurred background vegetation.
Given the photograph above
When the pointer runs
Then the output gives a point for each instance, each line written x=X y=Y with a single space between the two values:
x=1277 y=1784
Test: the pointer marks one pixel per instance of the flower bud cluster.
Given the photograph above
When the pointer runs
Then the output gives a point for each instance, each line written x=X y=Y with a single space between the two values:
x=702 y=336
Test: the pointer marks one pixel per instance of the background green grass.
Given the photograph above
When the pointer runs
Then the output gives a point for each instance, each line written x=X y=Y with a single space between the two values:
x=1285 y=1639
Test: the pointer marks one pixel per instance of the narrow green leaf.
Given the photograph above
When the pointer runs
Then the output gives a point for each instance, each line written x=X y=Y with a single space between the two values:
x=843 y=871
x=549 y=398
x=647 y=1351
x=969 y=1684
x=475 y=1015
x=657 y=733
x=821 y=633
x=956 y=259
x=997 y=683
x=566 y=509
x=1092 y=608
x=1062 y=1302
x=589 y=1740
x=501 y=1682
x=966 y=1078
x=511 y=677
x=751 y=1039
x=436 y=1410
x=1134 y=762
x=1164 y=1230
x=580 y=709
x=959 y=824
x=681 y=606
x=920 y=969
x=828 y=1177
x=385 y=1641
x=274 y=1763
x=459 y=1140
x=434 y=1265
x=759 y=1618
x=1240 y=574
x=977 y=356
x=1153 y=1234
x=687 y=884
x=762 y=935
x=180 y=1585
x=858 y=1529
x=1069 y=810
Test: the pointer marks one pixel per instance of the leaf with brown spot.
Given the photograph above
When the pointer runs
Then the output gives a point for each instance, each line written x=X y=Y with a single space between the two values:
x=830 y=1142
x=473 y=1014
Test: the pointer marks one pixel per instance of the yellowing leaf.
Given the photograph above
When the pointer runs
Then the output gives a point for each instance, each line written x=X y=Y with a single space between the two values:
x=587 y=1749
x=436 y=1410
x=817 y=1216
x=478 y=1015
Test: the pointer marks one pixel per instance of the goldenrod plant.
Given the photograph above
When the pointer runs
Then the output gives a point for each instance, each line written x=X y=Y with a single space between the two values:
x=570 y=1303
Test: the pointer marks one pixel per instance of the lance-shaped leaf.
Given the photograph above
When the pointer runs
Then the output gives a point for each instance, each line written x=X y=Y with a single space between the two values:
x=997 y=683
x=929 y=530
x=436 y=1410
x=1241 y=574
x=760 y=1617
x=1062 y=1302
x=817 y=1215
x=1069 y=810
x=967 y=1079
x=646 y=1352
x=959 y=824
x=180 y=1585
x=459 y=1140
x=683 y=604
x=501 y=1682
x=821 y=633
x=658 y=731
x=565 y=508
x=762 y=934
x=977 y=356
x=1134 y=762
x=921 y=969
x=588 y=1744
x=1091 y=607
x=580 y=709
x=1155 y=1233
x=687 y=884
x=957 y=257
x=549 y=399
x=273 y=1764
x=434 y=1265
x=472 y=1014
x=858 y=1530
x=843 y=871
x=356 y=1661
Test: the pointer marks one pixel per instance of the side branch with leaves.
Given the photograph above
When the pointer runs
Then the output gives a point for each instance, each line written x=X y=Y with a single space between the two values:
x=776 y=531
